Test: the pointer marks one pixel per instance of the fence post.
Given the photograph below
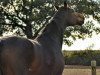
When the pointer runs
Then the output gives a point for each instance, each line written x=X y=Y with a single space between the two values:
x=93 y=67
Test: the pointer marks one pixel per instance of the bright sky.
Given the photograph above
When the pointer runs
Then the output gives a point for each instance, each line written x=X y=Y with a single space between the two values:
x=80 y=44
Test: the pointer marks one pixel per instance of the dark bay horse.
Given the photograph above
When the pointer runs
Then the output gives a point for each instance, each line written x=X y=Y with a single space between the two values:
x=41 y=56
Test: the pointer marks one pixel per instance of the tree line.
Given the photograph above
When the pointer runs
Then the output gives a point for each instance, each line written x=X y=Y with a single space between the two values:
x=81 y=57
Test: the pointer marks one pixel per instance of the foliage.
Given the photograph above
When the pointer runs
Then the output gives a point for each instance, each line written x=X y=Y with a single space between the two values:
x=81 y=57
x=28 y=17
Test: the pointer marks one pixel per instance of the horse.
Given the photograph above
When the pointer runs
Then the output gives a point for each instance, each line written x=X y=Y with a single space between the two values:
x=43 y=55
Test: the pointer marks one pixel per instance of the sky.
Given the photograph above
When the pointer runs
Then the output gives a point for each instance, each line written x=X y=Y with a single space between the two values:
x=80 y=44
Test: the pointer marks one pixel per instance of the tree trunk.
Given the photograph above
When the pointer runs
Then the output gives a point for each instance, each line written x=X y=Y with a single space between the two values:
x=28 y=31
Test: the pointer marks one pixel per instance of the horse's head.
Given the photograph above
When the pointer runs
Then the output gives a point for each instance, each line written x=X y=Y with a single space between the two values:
x=72 y=17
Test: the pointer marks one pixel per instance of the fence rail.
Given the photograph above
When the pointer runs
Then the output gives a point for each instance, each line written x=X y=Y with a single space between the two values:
x=79 y=67
x=79 y=70
x=93 y=68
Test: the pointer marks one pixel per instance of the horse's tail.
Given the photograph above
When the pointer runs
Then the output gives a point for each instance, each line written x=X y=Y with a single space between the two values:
x=1 y=46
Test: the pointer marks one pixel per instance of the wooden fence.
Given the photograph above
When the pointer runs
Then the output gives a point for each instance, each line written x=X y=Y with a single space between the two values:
x=79 y=70
x=82 y=70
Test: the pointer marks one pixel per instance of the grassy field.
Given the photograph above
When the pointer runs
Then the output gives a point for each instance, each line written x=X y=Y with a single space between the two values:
x=79 y=70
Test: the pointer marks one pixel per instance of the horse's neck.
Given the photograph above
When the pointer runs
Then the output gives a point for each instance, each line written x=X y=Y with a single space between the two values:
x=53 y=32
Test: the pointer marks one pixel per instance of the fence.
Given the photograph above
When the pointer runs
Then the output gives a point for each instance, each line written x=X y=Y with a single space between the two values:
x=82 y=70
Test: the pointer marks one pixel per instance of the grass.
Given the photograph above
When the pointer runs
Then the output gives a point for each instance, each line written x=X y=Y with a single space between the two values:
x=79 y=70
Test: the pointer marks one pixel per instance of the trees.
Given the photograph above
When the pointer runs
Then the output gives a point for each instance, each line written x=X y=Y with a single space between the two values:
x=28 y=17
x=81 y=57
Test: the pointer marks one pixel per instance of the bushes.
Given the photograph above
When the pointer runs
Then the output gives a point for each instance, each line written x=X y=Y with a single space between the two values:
x=81 y=57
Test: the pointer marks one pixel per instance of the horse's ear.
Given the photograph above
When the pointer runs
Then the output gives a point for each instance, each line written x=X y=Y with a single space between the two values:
x=57 y=7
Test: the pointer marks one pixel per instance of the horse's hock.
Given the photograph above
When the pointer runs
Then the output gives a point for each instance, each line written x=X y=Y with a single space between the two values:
x=41 y=56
